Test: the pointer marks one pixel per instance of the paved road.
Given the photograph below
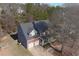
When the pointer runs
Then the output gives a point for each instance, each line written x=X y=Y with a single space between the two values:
x=9 y=47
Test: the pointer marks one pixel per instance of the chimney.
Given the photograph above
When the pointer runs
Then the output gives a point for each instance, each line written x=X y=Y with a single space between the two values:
x=32 y=20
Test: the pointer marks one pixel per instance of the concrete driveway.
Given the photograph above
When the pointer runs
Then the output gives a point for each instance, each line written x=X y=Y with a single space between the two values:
x=9 y=47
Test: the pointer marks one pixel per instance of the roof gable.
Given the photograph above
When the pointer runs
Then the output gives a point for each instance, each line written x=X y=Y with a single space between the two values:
x=26 y=27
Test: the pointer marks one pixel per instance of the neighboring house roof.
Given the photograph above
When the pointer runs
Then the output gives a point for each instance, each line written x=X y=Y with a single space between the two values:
x=20 y=10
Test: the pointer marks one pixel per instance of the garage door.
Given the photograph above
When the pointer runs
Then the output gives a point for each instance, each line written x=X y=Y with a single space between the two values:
x=32 y=44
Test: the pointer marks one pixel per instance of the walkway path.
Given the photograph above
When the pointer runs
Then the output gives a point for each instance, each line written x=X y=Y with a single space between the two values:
x=39 y=51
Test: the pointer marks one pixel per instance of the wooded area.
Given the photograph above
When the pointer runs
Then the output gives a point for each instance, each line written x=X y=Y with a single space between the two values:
x=10 y=15
x=64 y=22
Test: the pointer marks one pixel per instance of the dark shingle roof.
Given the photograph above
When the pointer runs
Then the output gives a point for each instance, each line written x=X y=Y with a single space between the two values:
x=28 y=27
x=41 y=26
